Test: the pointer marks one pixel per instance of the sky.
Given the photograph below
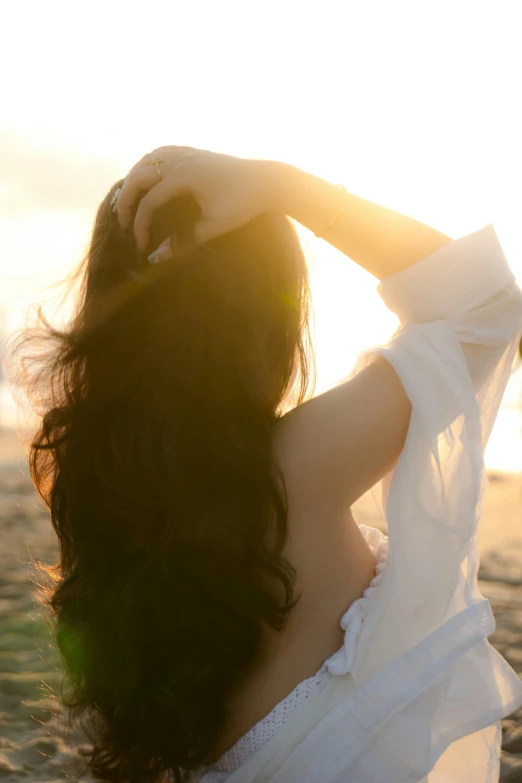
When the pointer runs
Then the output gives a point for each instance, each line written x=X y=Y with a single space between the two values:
x=410 y=104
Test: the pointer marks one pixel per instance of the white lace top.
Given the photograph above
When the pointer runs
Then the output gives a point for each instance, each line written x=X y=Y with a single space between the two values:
x=339 y=663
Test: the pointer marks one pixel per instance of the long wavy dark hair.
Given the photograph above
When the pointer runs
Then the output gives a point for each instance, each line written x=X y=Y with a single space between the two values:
x=156 y=406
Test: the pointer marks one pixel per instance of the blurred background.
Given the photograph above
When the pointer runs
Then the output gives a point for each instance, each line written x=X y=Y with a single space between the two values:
x=414 y=105
x=410 y=104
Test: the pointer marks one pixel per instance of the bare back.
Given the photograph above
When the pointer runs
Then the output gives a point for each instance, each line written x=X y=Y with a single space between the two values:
x=331 y=574
x=330 y=450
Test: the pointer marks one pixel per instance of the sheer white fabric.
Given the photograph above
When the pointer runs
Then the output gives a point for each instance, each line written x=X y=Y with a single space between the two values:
x=340 y=663
x=426 y=692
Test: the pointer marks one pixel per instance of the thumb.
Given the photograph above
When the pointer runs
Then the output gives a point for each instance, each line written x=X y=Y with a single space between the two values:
x=173 y=246
x=206 y=229
x=163 y=253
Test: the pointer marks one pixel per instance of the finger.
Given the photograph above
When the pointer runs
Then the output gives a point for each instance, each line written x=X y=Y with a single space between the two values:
x=170 y=150
x=144 y=161
x=204 y=231
x=172 y=186
x=134 y=184
x=133 y=187
x=163 y=253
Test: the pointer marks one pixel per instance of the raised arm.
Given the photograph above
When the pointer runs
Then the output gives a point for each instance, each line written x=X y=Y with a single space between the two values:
x=377 y=238
x=232 y=191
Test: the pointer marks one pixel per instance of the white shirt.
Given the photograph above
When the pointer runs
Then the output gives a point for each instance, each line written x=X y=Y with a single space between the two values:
x=417 y=693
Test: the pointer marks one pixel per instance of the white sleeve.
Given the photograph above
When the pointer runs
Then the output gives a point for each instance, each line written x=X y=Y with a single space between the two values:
x=465 y=290
x=461 y=321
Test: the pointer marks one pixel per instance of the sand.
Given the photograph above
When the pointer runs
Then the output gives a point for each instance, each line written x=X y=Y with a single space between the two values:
x=33 y=741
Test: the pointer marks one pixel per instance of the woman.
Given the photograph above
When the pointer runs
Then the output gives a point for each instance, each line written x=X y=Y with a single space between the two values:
x=221 y=614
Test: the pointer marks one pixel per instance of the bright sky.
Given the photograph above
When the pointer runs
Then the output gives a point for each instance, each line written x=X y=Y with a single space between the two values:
x=411 y=104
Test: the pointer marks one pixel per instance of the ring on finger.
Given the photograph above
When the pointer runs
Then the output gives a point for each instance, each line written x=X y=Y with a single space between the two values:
x=157 y=160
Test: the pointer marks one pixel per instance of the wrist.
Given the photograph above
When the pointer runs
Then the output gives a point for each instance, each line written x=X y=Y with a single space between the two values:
x=310 y=200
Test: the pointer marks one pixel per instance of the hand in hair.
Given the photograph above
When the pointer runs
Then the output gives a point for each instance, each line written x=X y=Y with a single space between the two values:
x=230 y=192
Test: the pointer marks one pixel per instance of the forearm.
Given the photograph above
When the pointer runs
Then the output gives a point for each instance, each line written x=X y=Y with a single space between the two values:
x=378 y=239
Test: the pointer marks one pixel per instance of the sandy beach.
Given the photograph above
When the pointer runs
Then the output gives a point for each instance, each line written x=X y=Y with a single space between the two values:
x=33 y=743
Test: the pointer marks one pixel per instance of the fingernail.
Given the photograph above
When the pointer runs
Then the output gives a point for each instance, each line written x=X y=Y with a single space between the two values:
x=156 y=256
x=161 y=254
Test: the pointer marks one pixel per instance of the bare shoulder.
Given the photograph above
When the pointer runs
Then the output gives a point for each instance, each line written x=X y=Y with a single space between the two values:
x=337 y=445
